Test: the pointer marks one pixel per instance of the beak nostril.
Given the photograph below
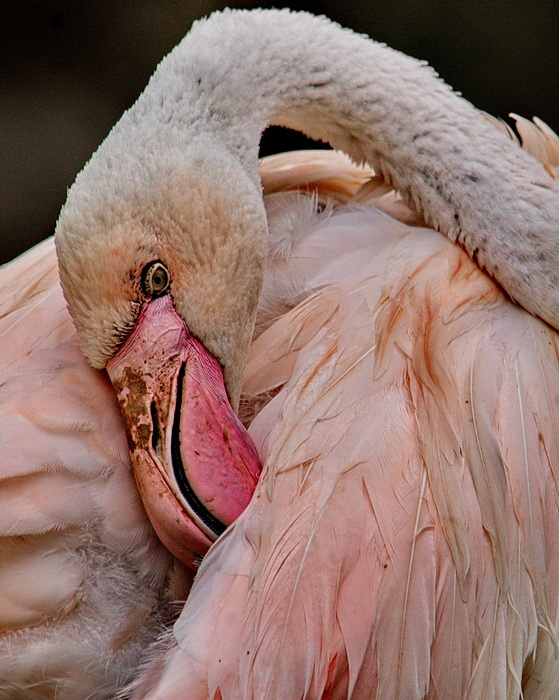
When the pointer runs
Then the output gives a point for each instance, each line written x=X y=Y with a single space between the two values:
x=156 y=433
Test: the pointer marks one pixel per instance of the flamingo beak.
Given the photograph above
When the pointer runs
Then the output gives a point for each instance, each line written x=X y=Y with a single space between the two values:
x=195 y=464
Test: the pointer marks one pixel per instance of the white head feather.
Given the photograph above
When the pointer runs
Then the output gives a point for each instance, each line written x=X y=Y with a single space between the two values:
x=177 y=178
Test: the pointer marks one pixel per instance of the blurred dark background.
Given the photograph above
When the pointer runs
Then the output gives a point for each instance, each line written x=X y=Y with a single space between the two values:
x=69 y=68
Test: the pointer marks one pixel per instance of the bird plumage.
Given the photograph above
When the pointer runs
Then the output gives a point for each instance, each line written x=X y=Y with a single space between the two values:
x=402 y=540
x=442 y=540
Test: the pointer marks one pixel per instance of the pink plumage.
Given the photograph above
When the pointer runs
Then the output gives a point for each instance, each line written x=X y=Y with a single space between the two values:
x=402 y=542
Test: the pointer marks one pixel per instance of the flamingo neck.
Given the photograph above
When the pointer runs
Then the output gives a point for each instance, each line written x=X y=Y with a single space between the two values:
x=239 y=71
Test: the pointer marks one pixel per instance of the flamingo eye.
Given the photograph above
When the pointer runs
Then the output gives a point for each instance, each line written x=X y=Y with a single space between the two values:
x=156 y=279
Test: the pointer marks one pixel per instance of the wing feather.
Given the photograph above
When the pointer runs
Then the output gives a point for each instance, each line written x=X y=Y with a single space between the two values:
x=403 y=540
x=394 y=547
x=82 y=575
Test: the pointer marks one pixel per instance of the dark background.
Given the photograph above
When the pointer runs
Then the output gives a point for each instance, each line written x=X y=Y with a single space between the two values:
x=68 y=69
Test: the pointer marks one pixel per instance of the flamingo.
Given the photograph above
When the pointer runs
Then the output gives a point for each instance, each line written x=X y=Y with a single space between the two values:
x=161 y=250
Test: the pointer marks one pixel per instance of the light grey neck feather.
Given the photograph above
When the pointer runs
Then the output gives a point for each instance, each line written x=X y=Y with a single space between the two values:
x=239 y=71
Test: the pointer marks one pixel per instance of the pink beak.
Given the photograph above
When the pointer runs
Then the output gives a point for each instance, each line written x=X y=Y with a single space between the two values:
x=195 y=464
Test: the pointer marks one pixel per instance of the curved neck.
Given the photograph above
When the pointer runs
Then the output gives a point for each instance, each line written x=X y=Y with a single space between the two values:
x=239 y=71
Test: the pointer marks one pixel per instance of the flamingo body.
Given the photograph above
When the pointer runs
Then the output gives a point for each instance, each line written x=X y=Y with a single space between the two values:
x=349 y=395
x=402 y=542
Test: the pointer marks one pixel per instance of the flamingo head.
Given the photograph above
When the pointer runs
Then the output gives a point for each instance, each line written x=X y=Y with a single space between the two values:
x=161 y=261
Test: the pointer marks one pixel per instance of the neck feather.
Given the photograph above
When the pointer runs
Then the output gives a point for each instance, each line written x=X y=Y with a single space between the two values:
x=239 y=71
